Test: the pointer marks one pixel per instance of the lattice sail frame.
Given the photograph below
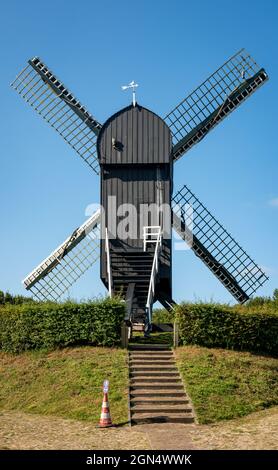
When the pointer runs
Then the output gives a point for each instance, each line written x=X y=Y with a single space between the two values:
x=61 y=269
x=213 y=100
x=189 y=122
x=217 y=248
x=42 y=90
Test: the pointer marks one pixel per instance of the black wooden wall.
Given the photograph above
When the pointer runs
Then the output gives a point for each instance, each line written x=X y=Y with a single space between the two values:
x=134 y=149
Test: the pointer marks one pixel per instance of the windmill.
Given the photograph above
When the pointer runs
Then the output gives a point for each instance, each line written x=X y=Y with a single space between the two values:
x=134 y=152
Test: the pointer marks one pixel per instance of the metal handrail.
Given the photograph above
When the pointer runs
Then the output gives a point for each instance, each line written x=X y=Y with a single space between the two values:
x=153 y=275
x=109 y=275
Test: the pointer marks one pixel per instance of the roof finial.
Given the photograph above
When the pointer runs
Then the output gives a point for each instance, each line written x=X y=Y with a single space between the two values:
x=132 y=85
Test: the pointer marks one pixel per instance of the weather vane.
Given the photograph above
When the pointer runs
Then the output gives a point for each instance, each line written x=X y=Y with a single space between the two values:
x=132 y=85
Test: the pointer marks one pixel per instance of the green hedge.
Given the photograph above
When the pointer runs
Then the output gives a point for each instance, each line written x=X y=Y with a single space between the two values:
x=161 y=315
x=50 y=325
x=218 y=326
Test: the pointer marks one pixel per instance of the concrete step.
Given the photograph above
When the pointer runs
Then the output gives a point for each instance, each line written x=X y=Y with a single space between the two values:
x=147 y=418
x=149 y=347
x=170 y=374
x=138 y=326
x=150 y=380
x=167 y=359
x=146 y=400
x=144 y=369
x=161 y=409
x=158 y=363
x=147 y=354
x=151 y=355
x=157 y=386
x=165 y=363
x=152 y=360
x=154 y=364
x=162 y=393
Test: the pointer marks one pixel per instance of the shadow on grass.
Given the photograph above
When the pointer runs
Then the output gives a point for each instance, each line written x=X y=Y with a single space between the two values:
x=154 y=338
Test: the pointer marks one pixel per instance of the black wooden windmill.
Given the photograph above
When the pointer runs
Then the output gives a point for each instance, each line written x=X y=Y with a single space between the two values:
x=134 y=152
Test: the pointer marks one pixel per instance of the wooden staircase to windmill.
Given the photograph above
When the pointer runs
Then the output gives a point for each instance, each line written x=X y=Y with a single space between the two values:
x=133 y=274
x=132 y=271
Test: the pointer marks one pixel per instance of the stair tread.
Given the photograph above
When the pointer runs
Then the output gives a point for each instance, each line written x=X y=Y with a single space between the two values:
x=158 y=411
x=160 y=378
x=163 y=392
x=133 y=274
x=154 y=389
x=164 y=397
x=168 y=401
x=156 y=378
x=168 y=363
x=148 y=359
x=153 y=355
x=149 y=347
x=149 y=368
x=156 y=364
x=160 y=365
x=154 y=410
x=163 y=356
x=153 y=373
x=156 y=370
x=183 y=419
x=162 y=417
x=157 y=383
x=167 y=359
x=160 y=406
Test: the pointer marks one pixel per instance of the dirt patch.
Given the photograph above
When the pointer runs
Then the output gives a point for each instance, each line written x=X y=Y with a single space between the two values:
x=258 y=431
x=26 y=431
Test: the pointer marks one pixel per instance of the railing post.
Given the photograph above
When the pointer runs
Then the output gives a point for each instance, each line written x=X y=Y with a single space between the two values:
x=144 y=238
x=176 y=335
x=108 y=263
x=124 y=335
x=150 y=231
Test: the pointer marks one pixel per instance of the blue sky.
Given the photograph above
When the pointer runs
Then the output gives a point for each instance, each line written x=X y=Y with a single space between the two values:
x=168 y=47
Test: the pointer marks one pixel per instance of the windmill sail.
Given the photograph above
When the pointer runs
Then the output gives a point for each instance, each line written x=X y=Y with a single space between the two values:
x=61 y=269
x=216 y=247
x=39 y=87
x=213 y=100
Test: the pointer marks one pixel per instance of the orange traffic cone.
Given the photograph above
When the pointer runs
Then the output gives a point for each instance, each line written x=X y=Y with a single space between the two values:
x=105 y=418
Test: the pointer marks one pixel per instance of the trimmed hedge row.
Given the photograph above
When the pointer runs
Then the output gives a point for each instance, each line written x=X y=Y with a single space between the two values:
x=50 y=325
x=218 y=326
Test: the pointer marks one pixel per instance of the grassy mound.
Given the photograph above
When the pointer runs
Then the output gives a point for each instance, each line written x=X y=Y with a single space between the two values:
x=227 y=384
x=65 y=383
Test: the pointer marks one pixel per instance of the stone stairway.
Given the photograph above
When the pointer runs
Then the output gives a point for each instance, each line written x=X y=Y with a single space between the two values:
x=157 y=393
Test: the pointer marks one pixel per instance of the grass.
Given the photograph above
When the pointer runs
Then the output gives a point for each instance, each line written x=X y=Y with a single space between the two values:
x=227 y=384
x=68 y=383
x=65 y=383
